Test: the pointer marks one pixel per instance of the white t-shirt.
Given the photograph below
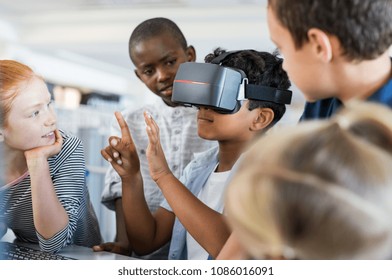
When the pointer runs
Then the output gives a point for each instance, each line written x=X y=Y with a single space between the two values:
x=212 y=194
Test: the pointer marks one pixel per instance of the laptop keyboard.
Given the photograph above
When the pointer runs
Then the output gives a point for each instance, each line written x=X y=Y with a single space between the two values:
x=11 y=251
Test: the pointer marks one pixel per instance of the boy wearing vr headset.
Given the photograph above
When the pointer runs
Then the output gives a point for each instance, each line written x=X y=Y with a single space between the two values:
x=156 y=47
x=191 y=216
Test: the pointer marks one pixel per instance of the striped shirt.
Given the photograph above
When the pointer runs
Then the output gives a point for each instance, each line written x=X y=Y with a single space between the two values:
x=179 y=140
x=67 y=170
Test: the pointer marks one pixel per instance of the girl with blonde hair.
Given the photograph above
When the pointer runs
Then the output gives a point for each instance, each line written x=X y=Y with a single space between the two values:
x=320 y=190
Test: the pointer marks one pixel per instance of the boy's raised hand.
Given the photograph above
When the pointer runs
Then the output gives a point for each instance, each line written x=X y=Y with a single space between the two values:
x=155 y=155
x=121 y=152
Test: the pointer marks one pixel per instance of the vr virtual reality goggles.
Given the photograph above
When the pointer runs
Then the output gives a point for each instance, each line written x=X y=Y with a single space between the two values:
x=220 y=88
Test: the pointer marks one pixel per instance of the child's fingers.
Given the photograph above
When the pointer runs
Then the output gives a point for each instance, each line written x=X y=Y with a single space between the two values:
x=111 y=156
x=155 y=128
x=114 y=148
x=125 y=133
x=151 y=136
x=120 y=145
x=106 y=155
x=147 y=117
x=152 y=129
x=150 y=121
x=59 y=138
x=114 y=142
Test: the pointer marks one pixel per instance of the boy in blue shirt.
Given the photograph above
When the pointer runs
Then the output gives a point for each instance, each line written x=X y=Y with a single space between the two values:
x=334 y=51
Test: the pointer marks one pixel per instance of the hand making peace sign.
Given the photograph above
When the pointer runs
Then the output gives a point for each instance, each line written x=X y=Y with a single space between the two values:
x=121 y=152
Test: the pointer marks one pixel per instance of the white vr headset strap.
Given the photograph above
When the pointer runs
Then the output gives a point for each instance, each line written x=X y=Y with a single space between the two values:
x=241 y=93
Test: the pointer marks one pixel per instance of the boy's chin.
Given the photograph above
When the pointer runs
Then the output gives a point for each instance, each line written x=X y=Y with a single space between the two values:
x=169 y=102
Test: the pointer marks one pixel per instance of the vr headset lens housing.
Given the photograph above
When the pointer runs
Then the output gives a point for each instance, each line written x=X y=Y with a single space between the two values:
x=208 y=85
x=220 y=88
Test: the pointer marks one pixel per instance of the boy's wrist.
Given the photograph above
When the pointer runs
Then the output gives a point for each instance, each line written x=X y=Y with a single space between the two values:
x=131 y=179
x=164 y=179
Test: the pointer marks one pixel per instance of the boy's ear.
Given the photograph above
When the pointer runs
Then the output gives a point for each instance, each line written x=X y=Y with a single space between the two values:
x=191 y=53
x=264 y=118
x=321 y=43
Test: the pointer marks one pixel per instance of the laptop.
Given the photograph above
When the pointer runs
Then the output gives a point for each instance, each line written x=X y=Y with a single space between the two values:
x=12 y=251
x=28 y=251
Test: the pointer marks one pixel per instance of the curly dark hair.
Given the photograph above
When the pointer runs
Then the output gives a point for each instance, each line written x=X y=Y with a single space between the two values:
x=363 y=27
x=156 y=27
x=261 y=68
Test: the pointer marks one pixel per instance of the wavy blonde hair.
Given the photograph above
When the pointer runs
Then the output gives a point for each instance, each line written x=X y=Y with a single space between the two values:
x=320 y=190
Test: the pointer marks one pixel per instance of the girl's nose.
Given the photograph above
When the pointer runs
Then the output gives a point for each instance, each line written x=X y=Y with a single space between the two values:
x=51 y=118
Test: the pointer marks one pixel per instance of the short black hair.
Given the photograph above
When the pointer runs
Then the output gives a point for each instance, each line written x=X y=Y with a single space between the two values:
x=363 y=27
x=156 y=27
x=261 y=68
